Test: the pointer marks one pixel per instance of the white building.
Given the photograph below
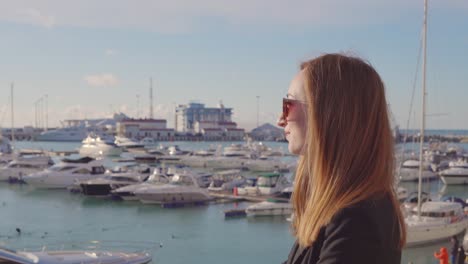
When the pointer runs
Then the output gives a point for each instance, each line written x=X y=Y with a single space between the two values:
x=141 y=128
x=187 y=116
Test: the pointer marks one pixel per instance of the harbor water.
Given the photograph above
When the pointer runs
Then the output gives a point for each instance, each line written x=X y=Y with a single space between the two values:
x=198 y=234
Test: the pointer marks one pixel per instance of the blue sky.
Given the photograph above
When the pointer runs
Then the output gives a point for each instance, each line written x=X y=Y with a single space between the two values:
x=93 y=58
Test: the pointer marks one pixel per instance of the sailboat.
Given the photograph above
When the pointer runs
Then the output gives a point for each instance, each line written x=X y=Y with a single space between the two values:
x=431 y=221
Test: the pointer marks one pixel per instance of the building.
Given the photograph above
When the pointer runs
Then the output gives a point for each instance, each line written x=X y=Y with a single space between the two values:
x=187 y=116
x=141 y=128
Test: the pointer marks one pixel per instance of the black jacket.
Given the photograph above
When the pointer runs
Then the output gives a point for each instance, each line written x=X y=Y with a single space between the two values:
x=367 y=232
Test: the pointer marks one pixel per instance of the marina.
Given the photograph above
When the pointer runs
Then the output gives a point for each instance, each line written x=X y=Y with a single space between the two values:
x=184 y=232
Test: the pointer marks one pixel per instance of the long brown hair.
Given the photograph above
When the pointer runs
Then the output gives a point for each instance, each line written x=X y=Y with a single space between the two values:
x=349 y=153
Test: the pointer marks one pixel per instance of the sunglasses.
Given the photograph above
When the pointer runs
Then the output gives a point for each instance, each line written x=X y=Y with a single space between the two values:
x=288 y=104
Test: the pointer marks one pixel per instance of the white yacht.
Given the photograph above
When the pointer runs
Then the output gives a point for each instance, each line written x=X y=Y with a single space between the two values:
x=66 y=173
x=226 y=181
x=267 y=184
x=402 y=194
x=73 y=133
x=94 y=146
x=88 y=256
x=130 y=145
x=273 y=206
x=22 y=166
x=457 y=173
x=149 y=142
x=5 y=146
x=182 y=189
x=409 y=171
x=127 y=192
x=102 y=186
x=438 y=221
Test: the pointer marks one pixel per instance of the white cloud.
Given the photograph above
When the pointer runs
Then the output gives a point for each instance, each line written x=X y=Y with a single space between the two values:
x=101 y=80
x=110 y=52
x=35 y=17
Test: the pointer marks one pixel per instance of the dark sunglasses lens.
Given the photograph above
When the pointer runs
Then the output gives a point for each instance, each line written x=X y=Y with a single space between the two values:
x=286 y=106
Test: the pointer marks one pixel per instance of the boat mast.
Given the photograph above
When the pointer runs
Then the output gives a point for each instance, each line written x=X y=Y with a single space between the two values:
x=423 y=111
x=12 y=117
x=151 y=116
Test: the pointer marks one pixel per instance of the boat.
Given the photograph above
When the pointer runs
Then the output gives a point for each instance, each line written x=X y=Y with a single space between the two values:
x=72 y=133
x=279 y=205
x=94 y=146
x=409 y=171
x=226 y=181
x=9 y=256
x=130 y=145
x=267 y=184
x=269 y=208
x=402 y=194
x=5 y=146
x=24 y=165
x=182 y=189
x=66 y=173
x=438 y=221
x=158 y=177
x=102 y=186
x=431 y=221
x=457 y=173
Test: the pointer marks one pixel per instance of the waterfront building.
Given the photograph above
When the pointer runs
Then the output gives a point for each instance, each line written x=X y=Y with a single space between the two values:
x=145 y=128
x=215 y=123
x=186 y=117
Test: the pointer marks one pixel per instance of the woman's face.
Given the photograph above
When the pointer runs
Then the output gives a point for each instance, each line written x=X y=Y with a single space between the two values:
x=294 y=123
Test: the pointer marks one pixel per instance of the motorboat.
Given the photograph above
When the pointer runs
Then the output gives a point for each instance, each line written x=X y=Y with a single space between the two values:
x=66 y=173
x=457 y=173
x=88 y=256
x=409 y=171
x=149 y=142
x=72 y=133
x=437 y=221
x=5 y=145
x=265 y=164
x=95 y=146
x=267 y=184
x=402 y=194
x=130 y=145
x=158 y=177
x=280 y=205
x=226 y=181
x=269 y=208
x=182 y=189
x=102 y=186
x=24 y=165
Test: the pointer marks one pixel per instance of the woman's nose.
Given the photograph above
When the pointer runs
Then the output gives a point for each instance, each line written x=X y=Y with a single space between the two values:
x=281 y=121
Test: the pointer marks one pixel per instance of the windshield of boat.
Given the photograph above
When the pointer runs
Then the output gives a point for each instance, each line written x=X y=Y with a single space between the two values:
x=61 y=168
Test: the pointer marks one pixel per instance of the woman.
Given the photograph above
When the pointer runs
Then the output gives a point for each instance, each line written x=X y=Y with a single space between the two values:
x=345 y=208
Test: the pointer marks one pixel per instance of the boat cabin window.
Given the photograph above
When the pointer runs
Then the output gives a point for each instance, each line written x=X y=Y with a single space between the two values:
x=439 y=214
x=58 y=168
x=82 y=171
x=98 y=170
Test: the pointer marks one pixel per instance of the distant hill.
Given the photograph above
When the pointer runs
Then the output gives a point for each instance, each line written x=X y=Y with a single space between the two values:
x=267 y=132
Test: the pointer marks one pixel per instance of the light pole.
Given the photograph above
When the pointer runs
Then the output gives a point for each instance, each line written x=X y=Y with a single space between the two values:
x=258 y=107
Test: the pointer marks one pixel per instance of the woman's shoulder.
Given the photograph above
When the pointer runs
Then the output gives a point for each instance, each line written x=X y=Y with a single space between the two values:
x=374 y=218
x=366 y=225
